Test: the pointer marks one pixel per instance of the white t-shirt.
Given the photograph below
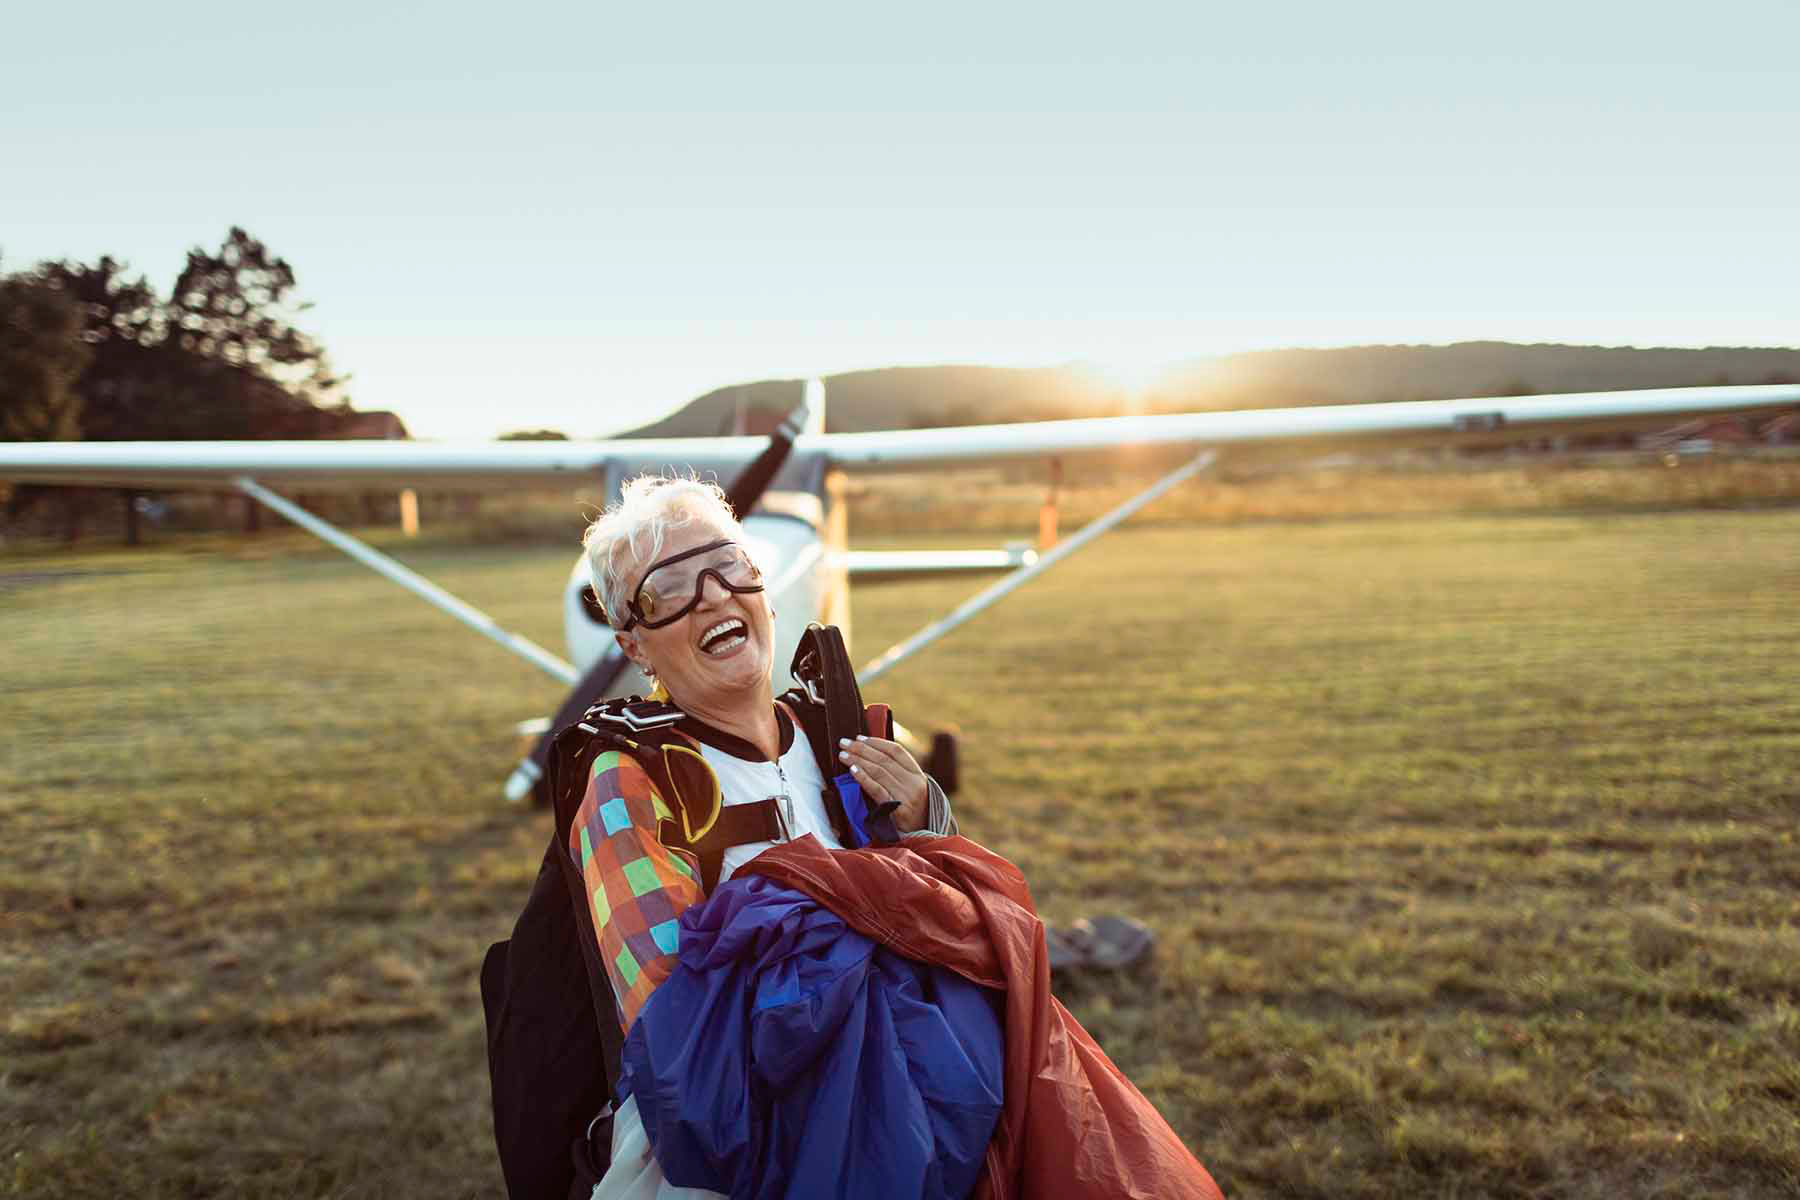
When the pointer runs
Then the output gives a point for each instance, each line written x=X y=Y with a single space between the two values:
x=795 y=775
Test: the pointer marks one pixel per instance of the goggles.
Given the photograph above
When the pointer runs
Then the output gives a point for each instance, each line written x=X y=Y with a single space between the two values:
x=672 y=587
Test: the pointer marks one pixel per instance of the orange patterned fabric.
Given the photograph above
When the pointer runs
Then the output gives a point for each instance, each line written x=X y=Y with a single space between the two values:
x=637 y=887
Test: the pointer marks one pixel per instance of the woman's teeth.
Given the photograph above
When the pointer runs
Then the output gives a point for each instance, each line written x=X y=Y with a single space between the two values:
x=724 y=637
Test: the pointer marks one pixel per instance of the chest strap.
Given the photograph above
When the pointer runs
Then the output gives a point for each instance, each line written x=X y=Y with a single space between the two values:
x=738 y=824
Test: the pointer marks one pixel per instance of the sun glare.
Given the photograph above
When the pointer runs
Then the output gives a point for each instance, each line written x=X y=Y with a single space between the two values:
x=1136 y=379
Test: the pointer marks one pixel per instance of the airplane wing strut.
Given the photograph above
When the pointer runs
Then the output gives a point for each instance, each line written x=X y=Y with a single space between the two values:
x=411 y=580
x=895 y=655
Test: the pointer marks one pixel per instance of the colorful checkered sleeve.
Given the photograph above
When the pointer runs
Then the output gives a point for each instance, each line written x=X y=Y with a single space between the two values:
x=637 y=886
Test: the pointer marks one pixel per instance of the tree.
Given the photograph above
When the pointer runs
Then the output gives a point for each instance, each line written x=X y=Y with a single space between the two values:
x=122 y=325
x=42 y=355
x=221 y=357
x=131 y=387
x=250 y=372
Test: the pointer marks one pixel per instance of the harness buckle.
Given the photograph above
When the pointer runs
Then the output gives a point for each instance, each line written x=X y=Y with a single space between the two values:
x=636 y=714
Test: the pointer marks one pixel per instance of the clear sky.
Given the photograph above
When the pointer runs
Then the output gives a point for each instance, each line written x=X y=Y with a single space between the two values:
x=579 y=216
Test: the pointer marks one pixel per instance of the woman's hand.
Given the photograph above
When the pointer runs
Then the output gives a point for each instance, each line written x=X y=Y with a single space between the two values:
x=887 y=772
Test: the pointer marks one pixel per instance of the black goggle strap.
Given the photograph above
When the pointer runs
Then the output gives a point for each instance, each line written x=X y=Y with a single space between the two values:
x=637 y=614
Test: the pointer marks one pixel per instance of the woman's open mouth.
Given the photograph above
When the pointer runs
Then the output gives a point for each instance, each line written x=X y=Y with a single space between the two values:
x=724 y=637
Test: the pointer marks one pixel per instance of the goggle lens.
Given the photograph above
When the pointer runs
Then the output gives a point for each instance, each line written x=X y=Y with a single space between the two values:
x=672 y=587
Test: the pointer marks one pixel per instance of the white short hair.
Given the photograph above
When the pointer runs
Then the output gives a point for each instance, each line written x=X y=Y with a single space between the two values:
x=629 y=535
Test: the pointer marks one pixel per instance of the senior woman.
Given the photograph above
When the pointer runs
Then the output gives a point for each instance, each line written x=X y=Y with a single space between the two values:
x=686 y=598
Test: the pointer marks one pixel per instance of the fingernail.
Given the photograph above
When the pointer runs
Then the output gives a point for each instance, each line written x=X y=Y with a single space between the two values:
x=862 y=737
x=843 y=741
x=856 y=770
x=844 y=754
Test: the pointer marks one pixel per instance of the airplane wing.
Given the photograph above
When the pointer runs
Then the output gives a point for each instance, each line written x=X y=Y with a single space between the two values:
x=321 y=465
x=355 y=465
x=1474 y=420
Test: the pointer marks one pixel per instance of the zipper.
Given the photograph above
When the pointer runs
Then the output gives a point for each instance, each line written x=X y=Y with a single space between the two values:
x=785 y=804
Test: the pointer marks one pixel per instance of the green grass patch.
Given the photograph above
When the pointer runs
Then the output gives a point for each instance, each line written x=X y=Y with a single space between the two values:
x=1470 y=842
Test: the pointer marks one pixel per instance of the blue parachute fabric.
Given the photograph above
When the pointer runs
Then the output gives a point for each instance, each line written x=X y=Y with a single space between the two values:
x=856 y=809
x=865 y=826
x=789 y=1056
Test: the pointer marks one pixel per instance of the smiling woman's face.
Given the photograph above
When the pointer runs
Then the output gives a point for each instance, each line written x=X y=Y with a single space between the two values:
x=720 y=653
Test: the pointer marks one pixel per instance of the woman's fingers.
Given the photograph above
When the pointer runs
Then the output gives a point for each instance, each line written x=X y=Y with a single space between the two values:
x=888 y=773
x=886 y=761
x=875 y=772
x=881 y=750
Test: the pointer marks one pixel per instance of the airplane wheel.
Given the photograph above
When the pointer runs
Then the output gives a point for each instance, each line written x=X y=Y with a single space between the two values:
x=942 y=765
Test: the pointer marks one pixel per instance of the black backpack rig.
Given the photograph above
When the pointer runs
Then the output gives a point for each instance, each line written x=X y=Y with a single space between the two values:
x=549 y=1005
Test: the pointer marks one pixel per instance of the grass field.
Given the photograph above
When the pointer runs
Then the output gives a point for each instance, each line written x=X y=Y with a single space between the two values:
x=1470 y=841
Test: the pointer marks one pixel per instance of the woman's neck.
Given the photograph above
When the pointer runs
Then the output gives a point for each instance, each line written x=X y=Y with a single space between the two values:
x=750 y=716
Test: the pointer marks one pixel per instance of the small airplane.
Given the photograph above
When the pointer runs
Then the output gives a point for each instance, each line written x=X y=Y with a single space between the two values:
x=787 y=487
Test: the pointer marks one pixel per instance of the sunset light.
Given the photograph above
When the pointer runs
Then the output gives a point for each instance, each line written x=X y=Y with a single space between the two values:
x=893 y=601
x=1132 y=381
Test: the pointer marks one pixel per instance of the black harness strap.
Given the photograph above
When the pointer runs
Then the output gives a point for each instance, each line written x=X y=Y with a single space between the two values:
x=822 y=665
x=736 y=825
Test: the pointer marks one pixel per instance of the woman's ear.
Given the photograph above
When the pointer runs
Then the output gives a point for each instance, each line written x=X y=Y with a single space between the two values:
x=633 y=651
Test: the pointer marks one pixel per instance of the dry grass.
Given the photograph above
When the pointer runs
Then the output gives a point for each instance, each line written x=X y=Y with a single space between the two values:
x=1270 y=489
x=1470 y=842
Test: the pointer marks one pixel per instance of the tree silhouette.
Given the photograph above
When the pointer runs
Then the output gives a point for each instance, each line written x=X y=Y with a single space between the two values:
x=220 y=357
x=42 y=355
x=122 y=325
x=249 y=371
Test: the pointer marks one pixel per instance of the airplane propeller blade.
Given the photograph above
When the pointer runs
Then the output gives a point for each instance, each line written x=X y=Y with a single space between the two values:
x=754 y=479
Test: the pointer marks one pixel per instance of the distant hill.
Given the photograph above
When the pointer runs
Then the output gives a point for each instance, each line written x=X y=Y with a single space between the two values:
x=917 y=397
